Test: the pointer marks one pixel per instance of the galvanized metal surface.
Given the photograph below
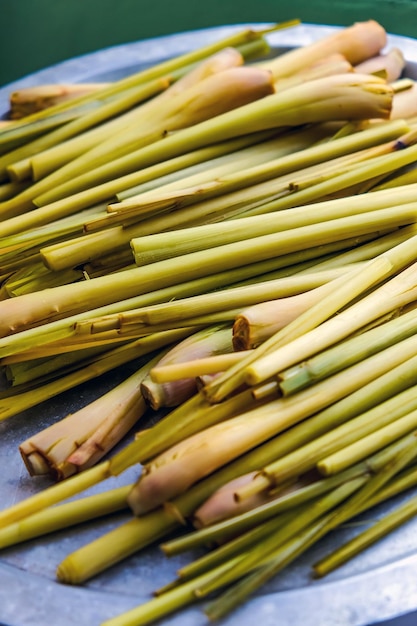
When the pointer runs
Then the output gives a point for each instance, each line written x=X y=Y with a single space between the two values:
x=377 y=585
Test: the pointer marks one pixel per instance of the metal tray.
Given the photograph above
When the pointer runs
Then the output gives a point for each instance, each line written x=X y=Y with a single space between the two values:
x=379 y=584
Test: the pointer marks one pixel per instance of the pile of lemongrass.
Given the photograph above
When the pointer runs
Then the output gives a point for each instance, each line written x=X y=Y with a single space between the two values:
x=247 y=235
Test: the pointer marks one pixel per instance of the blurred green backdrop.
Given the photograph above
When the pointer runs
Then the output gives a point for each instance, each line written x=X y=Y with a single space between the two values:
x=37 y=33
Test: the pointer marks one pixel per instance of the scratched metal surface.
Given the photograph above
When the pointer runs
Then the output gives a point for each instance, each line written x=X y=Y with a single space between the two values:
x=378 y=585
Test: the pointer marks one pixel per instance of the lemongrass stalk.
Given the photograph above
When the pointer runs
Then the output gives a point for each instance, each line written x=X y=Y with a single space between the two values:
x=222 y=504
x=287 y=553
x=391 y=63
x=237 y=545
x=46 y=163
x=160 y=245
x=360 y=449
x=54 y=518
x=28 y=242
x=399 y=256
x=96 y=366
x=41 y=370
x=231 y=197
x=27 y=100
x=333 y=64
x=163 y=477
x=195 y=367
x=194 y=306
x=67 y=346
x=407 y=177
x=114 y=546
x=240 y=196
x=81 y=439
x=344 y=511
x=193 y=416
x=390 y=522
x=253 y=325
x=23 y=161
x=186 y=108
x=368 y=307
x=404 y=456
x=139 y=532
x=17 y=133
x=366 y=172
x=347 y=353
x=293 y=140
x=56 y=493
x=211 y=340
x=37 y=277
x=213 y=95
x=354 y=408
x=344 y=404
x=403 y=104
x=105 y=191
x=145 y=124
x=402 y=406
x=277 y=171
x=10 y=189
x=103 y=290
x=278 y=539
x=54 y=331
x=356 y=43
x=156 y=71
x=315 y=154
x=225 y=531
x=125 y=540
x=368 y=250
x=294 y=106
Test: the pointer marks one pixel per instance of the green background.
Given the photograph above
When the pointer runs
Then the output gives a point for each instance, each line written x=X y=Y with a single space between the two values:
x=37 y=33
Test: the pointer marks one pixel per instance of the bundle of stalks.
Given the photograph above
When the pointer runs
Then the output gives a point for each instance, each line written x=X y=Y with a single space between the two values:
x=201 y=203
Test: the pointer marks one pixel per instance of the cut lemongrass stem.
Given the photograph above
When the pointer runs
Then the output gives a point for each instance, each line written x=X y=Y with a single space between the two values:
x=404 y=456
x=54 y=518
x=394 y=293
x=347 y=353
x=158 y=70
x=82 y=438
x=192 y=416
x=10 y=406
x=275 y=110
x=236 y=297
x=227 y=529
x=310 y=513
x=368 y=171
x=280 y=144
x=311 y=535
x=160 y=246
x=106 y=289
x=363 y=398
x=194 y=367
x=55 y=493
x=20 y=170
x=165 y=476
x=360 y=449
x=237 y=545
x=203 y=99
x=282 y=167
x=240 y=592
x=62 y=328
x=106 y=191
x=390 y=522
